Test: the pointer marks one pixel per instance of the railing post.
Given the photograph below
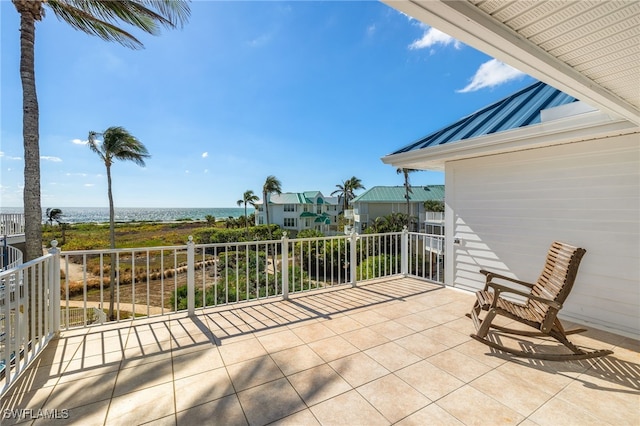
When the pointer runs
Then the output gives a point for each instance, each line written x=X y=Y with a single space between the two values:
x=285 y=266
x=54 y=286
x=191 y=276
x=404 y=252
x=353 y=257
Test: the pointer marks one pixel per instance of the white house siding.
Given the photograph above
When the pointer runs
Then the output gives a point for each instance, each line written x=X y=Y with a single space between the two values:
x=507 y=209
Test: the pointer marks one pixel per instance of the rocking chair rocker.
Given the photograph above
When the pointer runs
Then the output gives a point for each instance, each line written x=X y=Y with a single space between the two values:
x=544 y=300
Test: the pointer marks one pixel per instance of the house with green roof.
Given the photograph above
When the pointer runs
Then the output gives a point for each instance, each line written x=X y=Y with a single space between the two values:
x=382 y=201
x=296 y=211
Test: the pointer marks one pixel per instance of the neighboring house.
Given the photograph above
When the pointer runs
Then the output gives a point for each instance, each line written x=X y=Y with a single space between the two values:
x=381 y=201
x=574 y=175
x=296 y=211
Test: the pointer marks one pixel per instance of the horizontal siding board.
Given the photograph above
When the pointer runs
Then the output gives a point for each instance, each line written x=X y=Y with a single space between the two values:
x=508 y=209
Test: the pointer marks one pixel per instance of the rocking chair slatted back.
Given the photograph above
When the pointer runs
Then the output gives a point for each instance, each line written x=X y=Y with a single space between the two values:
x=556 y=280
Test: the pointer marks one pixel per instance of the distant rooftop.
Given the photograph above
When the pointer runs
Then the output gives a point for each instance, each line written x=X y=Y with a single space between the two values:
x=521 y=109
x=395 y=194
x=307 y=197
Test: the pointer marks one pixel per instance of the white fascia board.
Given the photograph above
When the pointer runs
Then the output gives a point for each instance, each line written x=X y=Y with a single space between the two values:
x=468 y=24
x=571 y=129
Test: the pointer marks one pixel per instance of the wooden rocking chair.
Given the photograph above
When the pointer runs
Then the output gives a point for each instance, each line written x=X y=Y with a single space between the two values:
x=544 y=300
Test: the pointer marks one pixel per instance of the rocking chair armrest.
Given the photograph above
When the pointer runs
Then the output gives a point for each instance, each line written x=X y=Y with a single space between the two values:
x=490 y=275
x=499 y=288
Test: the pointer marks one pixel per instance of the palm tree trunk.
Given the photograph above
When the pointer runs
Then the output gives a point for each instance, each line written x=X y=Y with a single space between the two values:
x=112 y=245
x=30 y=131
x=266 y=209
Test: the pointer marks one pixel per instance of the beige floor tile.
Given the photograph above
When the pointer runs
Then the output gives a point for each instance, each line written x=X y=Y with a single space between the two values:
x=241 y=350
x=483 y=353
x=416 y=322
x=511 y=391
x=358 y=369
x=440 y=316
x=342 y=324
x=312 y=332
x=301 y=418
x=368 y=317
x=82 y=391
x=537 y=375
x=318 y=384
x=616 y=407
x=432 y=381
x=559 y=412
x=446 y=336
x=421 y=345
x=270 y=402
x=392 y=356
x=432 y=414
x=254 y=372
x=293 y=360
x=143 y=376
x=365 y=338
x=142 y=405
x=348 y=409
x=333 y=348
x=200 y=388
x=196 y=362
x=473 y=407
x=227 y=408
x=280 y=340
x=392 y=397
x=20 y=399
x=391 y=329
x=459 y=365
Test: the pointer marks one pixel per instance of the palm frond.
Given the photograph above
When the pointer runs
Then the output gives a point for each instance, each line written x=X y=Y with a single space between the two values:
x=103 y=18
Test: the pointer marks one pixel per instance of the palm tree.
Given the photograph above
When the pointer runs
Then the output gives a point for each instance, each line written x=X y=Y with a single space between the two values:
x=99 y=18
x=247 y=198
x=117 y=144
x=271 y=186
x=346 y=190
x=53 y=215
x=407 y=190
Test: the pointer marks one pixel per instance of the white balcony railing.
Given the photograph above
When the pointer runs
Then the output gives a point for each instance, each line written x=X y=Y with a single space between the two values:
x=10 y=256
x=161 y=280
x=11 y=223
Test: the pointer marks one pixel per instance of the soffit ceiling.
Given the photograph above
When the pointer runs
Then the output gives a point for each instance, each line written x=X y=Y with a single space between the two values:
x=588 y=49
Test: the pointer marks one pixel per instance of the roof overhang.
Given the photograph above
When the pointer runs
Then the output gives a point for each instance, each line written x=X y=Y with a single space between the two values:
x=521 y=34
x=581 y=127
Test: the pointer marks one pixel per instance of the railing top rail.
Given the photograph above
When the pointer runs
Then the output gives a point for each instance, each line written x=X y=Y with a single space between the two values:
x=26 y=265
x=121 y=250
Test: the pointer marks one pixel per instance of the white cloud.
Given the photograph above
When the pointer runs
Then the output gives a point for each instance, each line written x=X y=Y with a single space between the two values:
x=206 y=171
x=205 y=154
x=260 y=41
x=371 y=30
x=89 y=185
x=4 y=157
x=433 y=37
x=490 y=74
x=79 y=142
x=50 y=158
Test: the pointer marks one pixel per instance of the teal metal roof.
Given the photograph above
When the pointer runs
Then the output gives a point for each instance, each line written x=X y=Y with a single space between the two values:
x=395 y=194
x=518 y=110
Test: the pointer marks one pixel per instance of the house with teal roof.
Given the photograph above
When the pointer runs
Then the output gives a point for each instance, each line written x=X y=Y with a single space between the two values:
x=536 y=167
x=381 y=201
x=297 y=211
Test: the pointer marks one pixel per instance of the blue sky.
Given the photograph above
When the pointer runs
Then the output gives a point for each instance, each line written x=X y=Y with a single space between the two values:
x=311 y=92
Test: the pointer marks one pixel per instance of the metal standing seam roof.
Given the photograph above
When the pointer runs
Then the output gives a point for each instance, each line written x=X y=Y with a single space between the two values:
x=518 y=110
x=395 y=194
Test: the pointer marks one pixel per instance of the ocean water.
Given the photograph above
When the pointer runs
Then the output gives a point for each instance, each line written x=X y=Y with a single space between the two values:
x=138 y=214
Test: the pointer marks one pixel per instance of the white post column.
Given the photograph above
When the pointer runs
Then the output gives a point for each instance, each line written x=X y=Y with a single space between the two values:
x=353 y=257
x=54 y=287
x=191 y=276
x=404 y=253
x=285 y=266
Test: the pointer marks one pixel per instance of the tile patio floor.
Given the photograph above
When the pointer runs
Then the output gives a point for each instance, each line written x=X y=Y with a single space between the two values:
x=393 y=352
